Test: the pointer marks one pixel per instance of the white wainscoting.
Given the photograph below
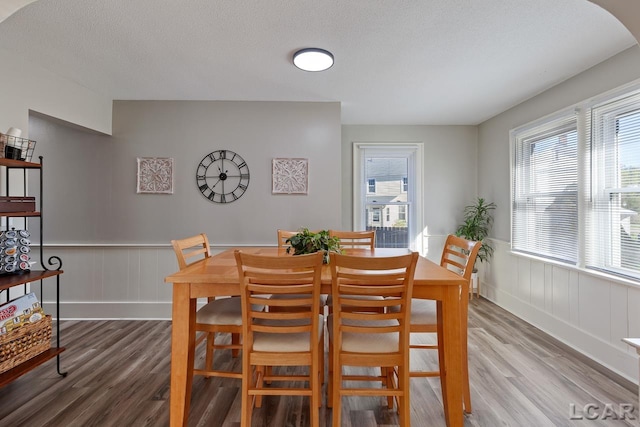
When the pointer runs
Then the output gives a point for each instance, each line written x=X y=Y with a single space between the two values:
x=111 y=281
x=585 y=310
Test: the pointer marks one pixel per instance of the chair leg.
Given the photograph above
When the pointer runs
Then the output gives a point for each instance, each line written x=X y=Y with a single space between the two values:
x=336 y=381
x=235 y=340
x=208 y=361
x=404 y=404
x=260 y=370
x=247 y=403
x=335 y=384
x=321 y=367
x=330 y=377
x=316 y=385
x=387 y=373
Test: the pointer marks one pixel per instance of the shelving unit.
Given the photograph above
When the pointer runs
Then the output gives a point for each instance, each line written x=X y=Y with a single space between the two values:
x=52 y=270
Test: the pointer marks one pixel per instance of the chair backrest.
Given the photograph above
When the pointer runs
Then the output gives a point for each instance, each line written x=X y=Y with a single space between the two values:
x=357 y=281
x=296 y=282
x=355 y=239
x=459 y=255
x=191 y=249
x=283 y=235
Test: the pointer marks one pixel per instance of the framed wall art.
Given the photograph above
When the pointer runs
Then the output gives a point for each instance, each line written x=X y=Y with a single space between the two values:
x=155 y=175
x=290 y=176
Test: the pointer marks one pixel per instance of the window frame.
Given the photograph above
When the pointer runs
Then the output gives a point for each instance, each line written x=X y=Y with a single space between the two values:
x=415 y=153
x=592 y=189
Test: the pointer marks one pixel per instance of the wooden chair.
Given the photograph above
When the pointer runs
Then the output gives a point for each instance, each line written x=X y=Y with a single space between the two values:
x=292 y=336
x=458 y=255
x=222 y=315
x=355 y=239
x=283 y=235
x=369 y=336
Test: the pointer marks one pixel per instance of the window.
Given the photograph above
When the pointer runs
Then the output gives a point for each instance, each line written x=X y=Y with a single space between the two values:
x=545 y=190
x=380 y=171
x=371 y=185
x=576 y=186
x=613 y=225
x=375 y=215
x=402 y=212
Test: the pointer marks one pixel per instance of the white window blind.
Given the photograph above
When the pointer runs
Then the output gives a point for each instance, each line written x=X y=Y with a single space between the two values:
x=545 y=189
x=613 y=222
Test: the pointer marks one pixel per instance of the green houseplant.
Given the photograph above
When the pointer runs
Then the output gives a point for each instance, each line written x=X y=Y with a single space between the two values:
x=478 y=219
x=307 y=242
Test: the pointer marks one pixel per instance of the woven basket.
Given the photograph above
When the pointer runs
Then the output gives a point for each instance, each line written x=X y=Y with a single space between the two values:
x=24 y=343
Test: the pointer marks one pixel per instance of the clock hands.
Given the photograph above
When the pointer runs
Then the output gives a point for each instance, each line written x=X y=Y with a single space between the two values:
x=208 y=182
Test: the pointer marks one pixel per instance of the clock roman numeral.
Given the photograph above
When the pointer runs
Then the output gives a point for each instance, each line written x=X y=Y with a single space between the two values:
x=242 y=165
x=211 y=196
x=223 y=198
x=234 y=196
x=242 y=187
x=203 y=187
x=244 y=176
x=212 y=156
x=223 y=154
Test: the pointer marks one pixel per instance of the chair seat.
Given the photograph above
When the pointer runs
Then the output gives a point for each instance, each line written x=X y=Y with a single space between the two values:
x=423 y=312
x=362 y=343
x=224 y=311
x=284 y=343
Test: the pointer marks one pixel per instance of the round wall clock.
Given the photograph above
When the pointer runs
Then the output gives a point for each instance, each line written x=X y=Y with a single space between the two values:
x=222 y=176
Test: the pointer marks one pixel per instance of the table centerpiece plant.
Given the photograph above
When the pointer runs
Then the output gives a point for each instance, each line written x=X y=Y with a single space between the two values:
x=308 y=242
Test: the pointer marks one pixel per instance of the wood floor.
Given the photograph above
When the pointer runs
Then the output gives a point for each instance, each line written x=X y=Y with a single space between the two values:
x=119 y=376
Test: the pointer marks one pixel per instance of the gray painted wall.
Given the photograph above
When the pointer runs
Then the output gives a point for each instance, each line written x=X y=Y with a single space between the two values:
x=493 y=135
x=450 y=169
x=91 y=180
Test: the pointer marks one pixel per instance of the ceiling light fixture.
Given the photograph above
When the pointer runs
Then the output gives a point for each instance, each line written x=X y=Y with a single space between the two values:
x=313 y=59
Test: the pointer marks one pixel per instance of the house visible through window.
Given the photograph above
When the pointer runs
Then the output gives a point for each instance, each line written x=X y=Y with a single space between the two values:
x=405 y=184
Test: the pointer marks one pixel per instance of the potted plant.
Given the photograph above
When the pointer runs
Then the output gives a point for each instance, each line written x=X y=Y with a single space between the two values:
x=307 y=242
x=478 y=219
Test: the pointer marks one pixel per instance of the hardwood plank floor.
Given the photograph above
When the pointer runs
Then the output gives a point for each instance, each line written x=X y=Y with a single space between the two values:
x=119 y=376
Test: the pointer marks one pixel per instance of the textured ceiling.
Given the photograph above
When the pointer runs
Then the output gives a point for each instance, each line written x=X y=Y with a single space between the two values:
x=396 y=61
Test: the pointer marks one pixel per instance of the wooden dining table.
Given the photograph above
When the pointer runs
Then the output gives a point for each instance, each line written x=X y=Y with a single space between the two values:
x=218 y=276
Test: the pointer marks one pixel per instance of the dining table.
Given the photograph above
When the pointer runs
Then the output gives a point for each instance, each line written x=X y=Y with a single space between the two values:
x=218 y=276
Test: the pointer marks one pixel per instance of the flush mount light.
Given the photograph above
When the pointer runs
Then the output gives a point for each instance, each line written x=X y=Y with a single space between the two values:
x=313 y=59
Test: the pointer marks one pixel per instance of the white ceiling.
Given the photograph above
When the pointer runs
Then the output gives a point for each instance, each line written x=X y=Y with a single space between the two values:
x=396 y=61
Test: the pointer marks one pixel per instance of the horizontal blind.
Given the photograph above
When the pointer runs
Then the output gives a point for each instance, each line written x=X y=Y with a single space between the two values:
x=545 y=190
x=613 y=220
